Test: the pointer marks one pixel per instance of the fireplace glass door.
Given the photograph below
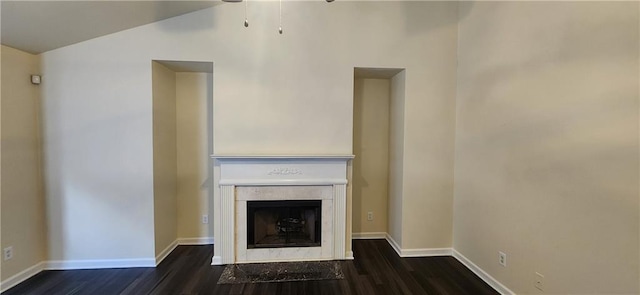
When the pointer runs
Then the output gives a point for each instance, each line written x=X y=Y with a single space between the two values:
x=277 y=224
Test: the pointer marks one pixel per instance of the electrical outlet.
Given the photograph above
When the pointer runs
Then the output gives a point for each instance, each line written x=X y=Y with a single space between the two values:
x=370 y=216
x=8 y=253
x=538 y=281
x=502 y=258
x=205 y=218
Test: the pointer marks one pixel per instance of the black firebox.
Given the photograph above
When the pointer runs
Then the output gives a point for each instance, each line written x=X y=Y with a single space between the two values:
x=277 y=224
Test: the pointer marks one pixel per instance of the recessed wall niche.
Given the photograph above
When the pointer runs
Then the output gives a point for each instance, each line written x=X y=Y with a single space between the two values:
x=378 y=136
x=182 y=142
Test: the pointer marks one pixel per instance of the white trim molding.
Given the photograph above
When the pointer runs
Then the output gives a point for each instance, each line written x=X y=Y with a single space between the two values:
x=225 y=250
x=162 y=255
x=283 y=157
x=349 y=255
x=99 y=263
x=266 y=182
x=196 y=241
x=21 y=276
x=420 y=252
x=495 y=284
x=216 y=260
x=491 y=281
x=425 y=252
x=369 y=236
x=393 y=244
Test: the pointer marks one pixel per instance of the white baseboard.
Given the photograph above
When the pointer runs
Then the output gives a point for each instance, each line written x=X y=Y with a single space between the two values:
x=181 y=242
x=21 y=276
x=419 y=252
x=425 y=252
x=368 y=235
x=74 y=264
x=349 y=255
x=196 y=241
x=162 y=255
x=495 y=284
x=99 y=263
x=124 y=263
x=216 y=260
x=393 y=244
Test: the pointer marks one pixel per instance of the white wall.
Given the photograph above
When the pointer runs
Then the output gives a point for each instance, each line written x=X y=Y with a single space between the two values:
x=546 y=165
x=371 y=149
x=396 y=157
x=193 y=94
x=165 y=165
x=98 y=152
x=273 y=94
x=22 y=213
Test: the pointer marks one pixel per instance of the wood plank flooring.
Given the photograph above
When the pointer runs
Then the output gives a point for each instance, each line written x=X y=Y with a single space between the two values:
x=377 y=269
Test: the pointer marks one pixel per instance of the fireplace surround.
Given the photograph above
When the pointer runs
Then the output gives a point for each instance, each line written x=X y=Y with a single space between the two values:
x=314 y=186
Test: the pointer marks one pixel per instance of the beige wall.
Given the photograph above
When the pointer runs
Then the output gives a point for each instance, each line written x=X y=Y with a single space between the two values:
x=371 y=150
x=429 y=127
x=193 y=95
x=164 y=156
x=23 y=219
x=546 y=165
x=546 y=136
x=396 y=157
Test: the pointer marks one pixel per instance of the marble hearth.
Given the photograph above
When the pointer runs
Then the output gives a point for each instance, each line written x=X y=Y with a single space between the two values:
x=270 y=178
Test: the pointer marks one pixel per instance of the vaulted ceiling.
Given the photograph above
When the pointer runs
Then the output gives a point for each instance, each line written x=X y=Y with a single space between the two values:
x=39 y=26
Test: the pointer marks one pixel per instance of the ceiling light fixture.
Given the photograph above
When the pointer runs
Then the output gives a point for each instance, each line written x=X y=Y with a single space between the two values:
x=280 y=19
x=246 y=20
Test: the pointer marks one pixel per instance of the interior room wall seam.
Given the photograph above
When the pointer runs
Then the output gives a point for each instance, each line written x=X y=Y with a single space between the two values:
x=455 y=129
x=41 y=176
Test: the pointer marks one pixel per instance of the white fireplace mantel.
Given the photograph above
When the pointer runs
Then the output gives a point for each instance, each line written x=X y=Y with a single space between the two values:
x=324 y=174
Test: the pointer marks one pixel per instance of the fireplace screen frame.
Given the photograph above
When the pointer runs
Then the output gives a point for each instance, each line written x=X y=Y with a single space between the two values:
x=285 y=207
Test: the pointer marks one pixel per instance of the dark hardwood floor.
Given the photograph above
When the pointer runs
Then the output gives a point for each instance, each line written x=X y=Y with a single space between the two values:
x=377 y=269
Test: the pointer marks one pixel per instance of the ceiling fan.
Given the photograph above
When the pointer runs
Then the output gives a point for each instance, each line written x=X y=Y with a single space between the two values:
x=246 y=20
x=235 y=1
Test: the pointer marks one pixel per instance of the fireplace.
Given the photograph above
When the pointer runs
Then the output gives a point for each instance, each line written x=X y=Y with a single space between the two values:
x=276 y=224
x=280 y=208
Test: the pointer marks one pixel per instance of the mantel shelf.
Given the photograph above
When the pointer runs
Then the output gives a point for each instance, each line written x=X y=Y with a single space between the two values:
x=267 y=157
